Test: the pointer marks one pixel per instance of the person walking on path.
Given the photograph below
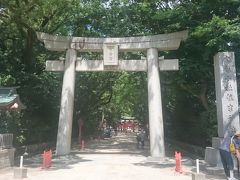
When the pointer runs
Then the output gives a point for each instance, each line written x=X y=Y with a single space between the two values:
x=229 y=147
x=141 y=138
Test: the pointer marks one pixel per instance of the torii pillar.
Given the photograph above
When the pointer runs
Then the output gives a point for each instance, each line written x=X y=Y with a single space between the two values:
x=67 y=102
x=157 y=148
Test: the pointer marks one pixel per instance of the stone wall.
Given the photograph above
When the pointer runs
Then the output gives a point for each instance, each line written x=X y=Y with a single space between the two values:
x=6 y=150
x=6 y=141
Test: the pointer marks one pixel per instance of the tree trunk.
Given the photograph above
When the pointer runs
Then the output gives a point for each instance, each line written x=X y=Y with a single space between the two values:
x=28 y=55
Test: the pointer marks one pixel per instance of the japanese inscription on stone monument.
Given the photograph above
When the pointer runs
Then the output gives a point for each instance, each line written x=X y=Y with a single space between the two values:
x=228 y=83
x=226 y=90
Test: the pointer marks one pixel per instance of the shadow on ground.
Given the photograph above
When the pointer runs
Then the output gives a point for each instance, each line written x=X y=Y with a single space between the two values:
x=58 y=162
x=121 y=144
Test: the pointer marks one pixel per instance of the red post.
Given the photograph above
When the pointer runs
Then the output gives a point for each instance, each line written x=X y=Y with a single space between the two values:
x=178 y=158
x=47 y=159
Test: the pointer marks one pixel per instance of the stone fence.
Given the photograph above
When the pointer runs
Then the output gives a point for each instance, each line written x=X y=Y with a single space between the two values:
x=6 y=158
x=6 y=141
x=6 y=150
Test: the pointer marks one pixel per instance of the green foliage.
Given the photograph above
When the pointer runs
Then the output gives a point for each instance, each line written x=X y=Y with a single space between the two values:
x=7 y=80
x=207 y=125
x=11 y=122
x=218 y=32
x=130 y=95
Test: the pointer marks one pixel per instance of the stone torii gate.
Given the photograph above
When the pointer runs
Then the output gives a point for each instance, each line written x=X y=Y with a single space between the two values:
x=110 y=48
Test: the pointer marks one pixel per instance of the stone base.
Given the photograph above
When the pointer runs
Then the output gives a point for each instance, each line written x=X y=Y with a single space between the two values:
x=215 y=171
x=198 y=176
x=20 y=173
x=7 y=157
x=212 y=156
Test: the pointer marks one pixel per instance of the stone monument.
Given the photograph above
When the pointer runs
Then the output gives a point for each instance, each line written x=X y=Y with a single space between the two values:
x=227 y=103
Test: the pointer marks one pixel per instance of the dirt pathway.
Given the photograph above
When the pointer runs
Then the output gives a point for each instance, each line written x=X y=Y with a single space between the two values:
x=116 y=158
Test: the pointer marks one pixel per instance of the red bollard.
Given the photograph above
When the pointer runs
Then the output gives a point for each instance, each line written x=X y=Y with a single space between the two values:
x=47 y=159
x=82 y=144
x=178 y=158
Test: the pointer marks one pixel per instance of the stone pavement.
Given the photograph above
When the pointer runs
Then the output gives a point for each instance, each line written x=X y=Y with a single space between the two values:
x=116 y=158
